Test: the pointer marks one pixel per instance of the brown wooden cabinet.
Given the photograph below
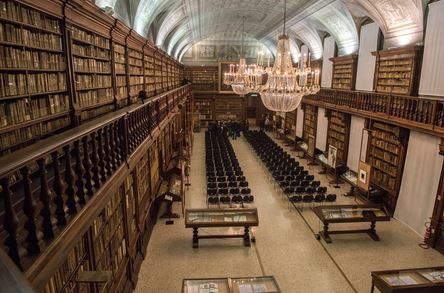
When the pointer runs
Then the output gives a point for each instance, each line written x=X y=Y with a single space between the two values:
x=344 y=72
x=67 y=63
x=387 y=149
x=338 y=134
x=398 y=70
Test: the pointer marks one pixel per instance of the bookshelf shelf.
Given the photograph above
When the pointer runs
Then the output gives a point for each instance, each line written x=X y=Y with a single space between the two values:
x=338 y=134
x=397 y=70
x=386 y=155
x=344 y=72
x=310 y=121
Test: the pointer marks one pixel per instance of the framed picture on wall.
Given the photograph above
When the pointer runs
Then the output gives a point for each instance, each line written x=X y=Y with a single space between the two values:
x=332 y=156
x=364 y=171
x=224 y=67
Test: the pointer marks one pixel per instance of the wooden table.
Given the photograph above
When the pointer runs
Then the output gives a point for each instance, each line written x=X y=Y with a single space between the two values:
x=217 y=218
x=333 y=214
x=418 y=280
x=231 y=285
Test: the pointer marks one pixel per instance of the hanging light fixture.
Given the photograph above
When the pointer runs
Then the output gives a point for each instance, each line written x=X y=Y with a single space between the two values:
x=285 y=85
x=238 y=76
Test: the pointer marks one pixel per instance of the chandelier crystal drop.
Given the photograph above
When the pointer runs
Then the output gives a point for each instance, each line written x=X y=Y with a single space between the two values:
x=238 y=77
x=285 y=85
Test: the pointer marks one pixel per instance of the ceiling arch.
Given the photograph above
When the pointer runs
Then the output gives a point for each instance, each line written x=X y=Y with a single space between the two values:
x=178 y=24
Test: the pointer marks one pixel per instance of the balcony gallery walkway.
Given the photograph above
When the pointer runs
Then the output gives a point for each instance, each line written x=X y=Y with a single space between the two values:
x=285 y=244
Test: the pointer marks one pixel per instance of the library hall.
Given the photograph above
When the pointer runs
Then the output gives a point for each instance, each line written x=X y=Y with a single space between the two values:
x=221 y=146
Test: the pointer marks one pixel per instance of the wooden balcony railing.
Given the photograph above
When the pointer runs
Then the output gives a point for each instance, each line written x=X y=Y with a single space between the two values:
x=410 y=112
x=46 y=186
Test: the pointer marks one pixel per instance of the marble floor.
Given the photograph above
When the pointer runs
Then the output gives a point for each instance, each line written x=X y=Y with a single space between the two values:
x=285 y=243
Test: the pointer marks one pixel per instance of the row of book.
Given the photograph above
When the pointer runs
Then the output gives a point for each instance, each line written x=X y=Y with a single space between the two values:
x=142 y=170
x=383 y=179
x=13 y=34
x=35 y=131
x=21 y=84
x=93 y=97
x=120 y=68
x=386 y=136
x=22 y=110
x=91 y=65
x=135 y=54
x=135 y=89
x=11 y=10
x=383 y=166
x=386 y=156
x=134 y=62
x=67 y=271
x=385 y=145
x=135 y=70
x=92 y=113
x=136 y=80
x=90 y=52
x=88 y=37
x=119 y=57
x=89 y=81
x=122 y=92
x=121 y=80
x=11 y=57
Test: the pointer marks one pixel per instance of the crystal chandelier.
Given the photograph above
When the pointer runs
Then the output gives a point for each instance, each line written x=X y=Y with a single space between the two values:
x=239 y=75
x=285 y=85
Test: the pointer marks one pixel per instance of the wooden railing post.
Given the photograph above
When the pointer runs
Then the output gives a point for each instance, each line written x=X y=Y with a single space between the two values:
x=10 y=222
x=45 y=197
x=87 y=167
x=69 y=179
x=29 y=207
x=59 y=190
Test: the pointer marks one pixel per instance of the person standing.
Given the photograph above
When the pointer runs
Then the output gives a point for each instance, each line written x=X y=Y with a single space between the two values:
x=262 y=123
x=267 y=124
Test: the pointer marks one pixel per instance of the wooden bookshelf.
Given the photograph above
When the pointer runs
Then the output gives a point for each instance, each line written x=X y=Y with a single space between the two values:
x=203 y=79
x=339 y=134
x=398 y=70
x=310 y=121
x=34 y=97
x=290 y=125
x=136 y=73
x=204 y=105
x=90 y=46
x=386 y=155
x=120 y=61
x=158 y=71
x=148 y=60
x=344 y=72
x=154 y=168
x=229 y=107
x=61 y=66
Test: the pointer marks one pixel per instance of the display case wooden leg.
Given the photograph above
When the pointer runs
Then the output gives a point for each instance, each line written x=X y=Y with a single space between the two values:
x=195 y=238
x=247 y=236
x=325 y=235
x=372 y=232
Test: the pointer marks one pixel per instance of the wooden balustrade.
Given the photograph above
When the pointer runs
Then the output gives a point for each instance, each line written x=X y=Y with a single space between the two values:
x=44 y=186
x=407 y=111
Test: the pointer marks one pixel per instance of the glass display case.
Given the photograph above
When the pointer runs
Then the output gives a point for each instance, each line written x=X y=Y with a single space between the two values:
x=219 y=285
x=205 y=218
x=333 y=214
x=254 y=285
x=265 y=284
x=409 y=280
x=216 y=217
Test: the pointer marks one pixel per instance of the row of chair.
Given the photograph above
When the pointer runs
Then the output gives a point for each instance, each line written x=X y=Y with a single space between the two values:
x=286 y=173
x=226 y=183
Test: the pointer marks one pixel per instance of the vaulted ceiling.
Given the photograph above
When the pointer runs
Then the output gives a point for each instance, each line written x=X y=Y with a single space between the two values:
x=176 y=25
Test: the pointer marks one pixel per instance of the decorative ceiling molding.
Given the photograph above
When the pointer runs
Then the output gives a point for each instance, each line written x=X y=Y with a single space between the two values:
x=401 y=21
x=172 y=20
x=308 y=36
x=338 y=22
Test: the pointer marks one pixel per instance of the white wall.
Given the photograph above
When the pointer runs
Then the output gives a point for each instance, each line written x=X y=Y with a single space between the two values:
x=321 y=130
x=327 y=65
x=356 y=126
x=420 y=181
x=432 y=74
x=366 y=61
x=299 y=122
